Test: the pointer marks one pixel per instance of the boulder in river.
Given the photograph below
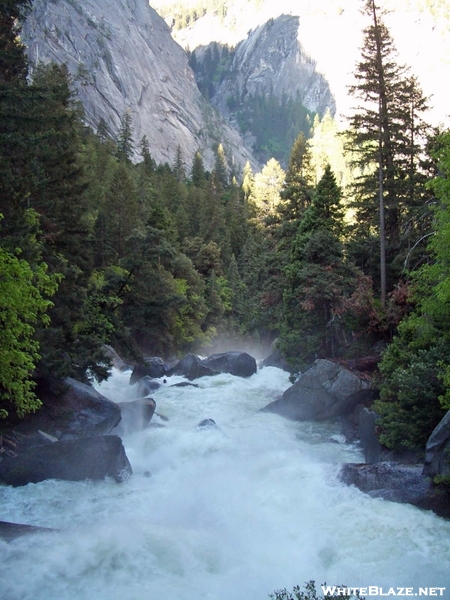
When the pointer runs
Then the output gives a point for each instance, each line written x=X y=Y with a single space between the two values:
x=437 y=451
x=117 y=362
x=76 y=411
x=325 y=391
x=146 y=386
x=192 y=367
x=240 y=364
x=11 y=531
x=397 y=482
x=86 y=412
x=72 y=460
x=135 y=416
x=275 y=359
x=153 y=367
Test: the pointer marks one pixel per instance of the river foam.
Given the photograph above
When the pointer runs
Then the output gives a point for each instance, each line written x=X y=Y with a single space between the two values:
x=226 y=513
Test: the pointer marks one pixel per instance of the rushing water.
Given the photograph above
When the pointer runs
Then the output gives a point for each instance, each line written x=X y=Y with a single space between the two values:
x=228 y=513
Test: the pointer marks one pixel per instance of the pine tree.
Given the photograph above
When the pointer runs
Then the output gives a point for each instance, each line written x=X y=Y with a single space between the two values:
x=319 y=279
x=378 y=137
x=296 y=192
x=13 y=63
x=198 y=175
x=125 y=143
x=220 y=171
x=178 y=168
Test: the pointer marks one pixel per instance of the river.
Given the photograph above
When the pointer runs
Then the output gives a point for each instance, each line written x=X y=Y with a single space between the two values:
x=231 y=512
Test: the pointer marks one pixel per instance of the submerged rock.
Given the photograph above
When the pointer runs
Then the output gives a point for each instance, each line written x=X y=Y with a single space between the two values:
x=184 y=384
x=72 y=460
x=207 y=423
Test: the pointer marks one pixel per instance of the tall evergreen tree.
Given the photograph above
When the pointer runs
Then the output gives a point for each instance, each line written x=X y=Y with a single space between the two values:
x=125 y=142
x=319 y=279
x=13 y=63
x=220 y=171
x=178 y=168
x=379 y=132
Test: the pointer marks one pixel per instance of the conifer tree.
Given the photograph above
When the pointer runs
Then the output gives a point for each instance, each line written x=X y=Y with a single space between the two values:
x=221 y=167
x=198 y=175
x=319 y=279
x=13 y=63
x=379 y=132
x=178 y=168
x=125 y=142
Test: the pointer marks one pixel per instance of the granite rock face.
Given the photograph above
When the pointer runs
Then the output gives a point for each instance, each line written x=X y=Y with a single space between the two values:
x=122 y=58
x=272 y=59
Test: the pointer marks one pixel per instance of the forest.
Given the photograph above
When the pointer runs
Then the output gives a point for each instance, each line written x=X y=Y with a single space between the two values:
x=339 y=256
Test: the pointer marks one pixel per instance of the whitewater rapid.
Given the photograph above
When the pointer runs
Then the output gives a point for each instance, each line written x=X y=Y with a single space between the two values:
x=231 y=512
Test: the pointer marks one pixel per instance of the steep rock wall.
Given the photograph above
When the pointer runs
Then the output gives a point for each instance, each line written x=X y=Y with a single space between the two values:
x=122 y=57
x=272 y=58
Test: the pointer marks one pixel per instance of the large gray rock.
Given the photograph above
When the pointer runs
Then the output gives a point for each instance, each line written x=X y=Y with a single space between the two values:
x=146 y=386
x=240 y=364
x=135 y=416
x=192 y=367
x=437 y=452
x=275 y=359
x=367 y=425
x=83 y=412
x=154 y=367
x=374 y=452
x=122 y=58
x=117 y=362
x=11 y=531
x=325 y=391
x=76 y=410
x=72 y=460
x=397 y=482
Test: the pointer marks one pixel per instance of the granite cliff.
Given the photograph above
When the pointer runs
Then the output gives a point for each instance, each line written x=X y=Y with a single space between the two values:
x=122 y=58
x=271 y=58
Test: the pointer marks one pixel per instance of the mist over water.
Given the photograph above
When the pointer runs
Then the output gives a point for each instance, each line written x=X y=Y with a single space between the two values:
x=228 y=513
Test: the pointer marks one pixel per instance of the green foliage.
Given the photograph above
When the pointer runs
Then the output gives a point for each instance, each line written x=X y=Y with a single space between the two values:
x=416 y=367
x=409 y=406
x=274 y=122
x=24 y=293
x=13 y=65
